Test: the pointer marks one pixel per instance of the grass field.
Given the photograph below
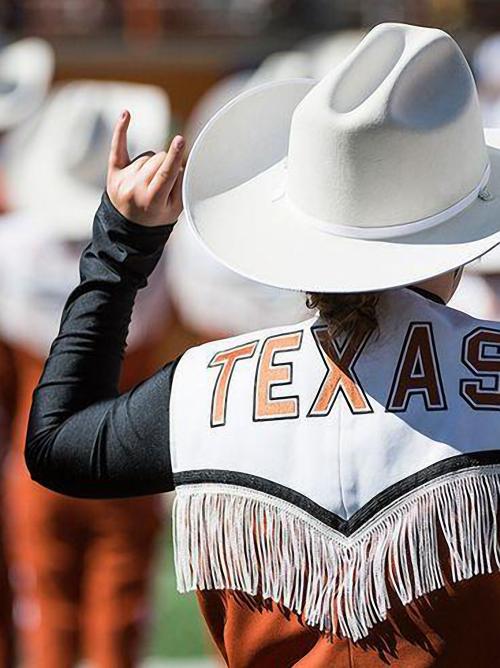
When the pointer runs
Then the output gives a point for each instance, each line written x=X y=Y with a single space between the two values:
x=178 y=630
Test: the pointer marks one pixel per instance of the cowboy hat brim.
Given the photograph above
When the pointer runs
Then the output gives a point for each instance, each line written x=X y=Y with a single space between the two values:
x=234 y=200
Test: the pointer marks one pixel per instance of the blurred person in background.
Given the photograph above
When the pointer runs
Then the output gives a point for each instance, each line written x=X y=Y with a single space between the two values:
x=214 y=302
x=479 y=290
x=81 y=569
x=486 y=65
x=26 y=71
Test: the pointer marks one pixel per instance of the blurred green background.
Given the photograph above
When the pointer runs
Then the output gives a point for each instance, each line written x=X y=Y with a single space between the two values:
x=177 y=629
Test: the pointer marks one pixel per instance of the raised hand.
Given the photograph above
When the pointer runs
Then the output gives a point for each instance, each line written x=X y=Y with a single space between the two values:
x=147 y=191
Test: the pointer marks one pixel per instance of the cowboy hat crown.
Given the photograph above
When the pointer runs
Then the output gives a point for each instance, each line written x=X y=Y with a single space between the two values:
x=382 y=165
x=397 y=117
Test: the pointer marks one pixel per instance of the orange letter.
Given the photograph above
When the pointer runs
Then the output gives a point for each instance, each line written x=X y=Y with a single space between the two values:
x=340 y=376
x=270 y=374
x=481 y=354
x=417 y=371
x=226 y=360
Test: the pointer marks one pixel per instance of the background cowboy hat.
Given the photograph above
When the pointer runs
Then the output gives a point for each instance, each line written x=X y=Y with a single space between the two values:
x=26 y=71
x=70 y=139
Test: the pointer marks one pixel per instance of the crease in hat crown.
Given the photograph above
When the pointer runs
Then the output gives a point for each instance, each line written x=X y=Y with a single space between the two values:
x=390 y=138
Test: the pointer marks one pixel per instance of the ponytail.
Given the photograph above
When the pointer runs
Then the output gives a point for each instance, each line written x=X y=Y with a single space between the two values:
x=345 y=314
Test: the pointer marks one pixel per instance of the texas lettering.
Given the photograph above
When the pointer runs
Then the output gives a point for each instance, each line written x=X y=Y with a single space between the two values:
x=416 y=373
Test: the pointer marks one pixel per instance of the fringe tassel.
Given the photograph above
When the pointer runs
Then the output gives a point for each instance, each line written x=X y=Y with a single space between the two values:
x=231 y=537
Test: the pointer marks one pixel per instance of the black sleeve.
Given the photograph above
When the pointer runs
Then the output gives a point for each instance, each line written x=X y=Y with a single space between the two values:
x=83 y=438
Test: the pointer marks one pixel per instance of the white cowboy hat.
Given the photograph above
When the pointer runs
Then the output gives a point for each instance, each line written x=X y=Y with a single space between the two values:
x=376 y=177
x=212 y=299
x=276 y=67
x=56 y=171
x=26 y=71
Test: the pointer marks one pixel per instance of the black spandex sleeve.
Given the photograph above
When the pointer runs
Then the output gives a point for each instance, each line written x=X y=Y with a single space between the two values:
x=84 y=439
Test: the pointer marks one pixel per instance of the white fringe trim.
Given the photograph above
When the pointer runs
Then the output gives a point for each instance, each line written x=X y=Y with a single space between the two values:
x=231 y=537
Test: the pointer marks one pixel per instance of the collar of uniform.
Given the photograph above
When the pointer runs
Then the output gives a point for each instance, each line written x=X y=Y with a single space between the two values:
x=428 y=295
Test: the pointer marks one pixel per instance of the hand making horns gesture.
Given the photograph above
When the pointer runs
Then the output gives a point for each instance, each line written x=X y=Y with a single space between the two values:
x=147 y=190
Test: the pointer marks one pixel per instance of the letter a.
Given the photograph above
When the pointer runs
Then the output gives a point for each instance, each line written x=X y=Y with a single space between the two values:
x=417 y=371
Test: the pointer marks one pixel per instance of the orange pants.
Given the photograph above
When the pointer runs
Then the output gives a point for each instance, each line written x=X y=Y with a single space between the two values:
x=7 y=658
x=81 y=570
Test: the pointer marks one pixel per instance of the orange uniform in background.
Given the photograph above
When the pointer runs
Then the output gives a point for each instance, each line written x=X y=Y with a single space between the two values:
x=7 y=410
x=26 y=71
x=81 y=569
x=7 y=399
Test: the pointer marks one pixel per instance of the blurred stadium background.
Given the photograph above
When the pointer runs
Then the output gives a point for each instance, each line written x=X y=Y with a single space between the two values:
x=186 y=48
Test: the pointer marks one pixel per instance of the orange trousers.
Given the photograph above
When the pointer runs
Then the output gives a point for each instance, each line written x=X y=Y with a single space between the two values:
x=81 y=573
x=7 y=645
x=81 y=569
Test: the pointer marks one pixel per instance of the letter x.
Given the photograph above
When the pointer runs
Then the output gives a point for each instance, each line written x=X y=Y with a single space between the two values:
x=340 y=376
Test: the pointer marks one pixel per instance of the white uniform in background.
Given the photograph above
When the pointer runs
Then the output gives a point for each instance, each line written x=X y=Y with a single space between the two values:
x=475 y=295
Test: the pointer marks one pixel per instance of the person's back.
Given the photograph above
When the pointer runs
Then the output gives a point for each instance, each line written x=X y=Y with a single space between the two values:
x=339 y=480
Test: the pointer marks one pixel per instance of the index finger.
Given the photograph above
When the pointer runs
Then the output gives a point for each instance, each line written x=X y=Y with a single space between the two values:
x=118 y=153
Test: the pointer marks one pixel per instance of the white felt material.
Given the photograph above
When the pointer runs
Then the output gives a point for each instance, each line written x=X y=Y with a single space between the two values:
x=391 y=137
